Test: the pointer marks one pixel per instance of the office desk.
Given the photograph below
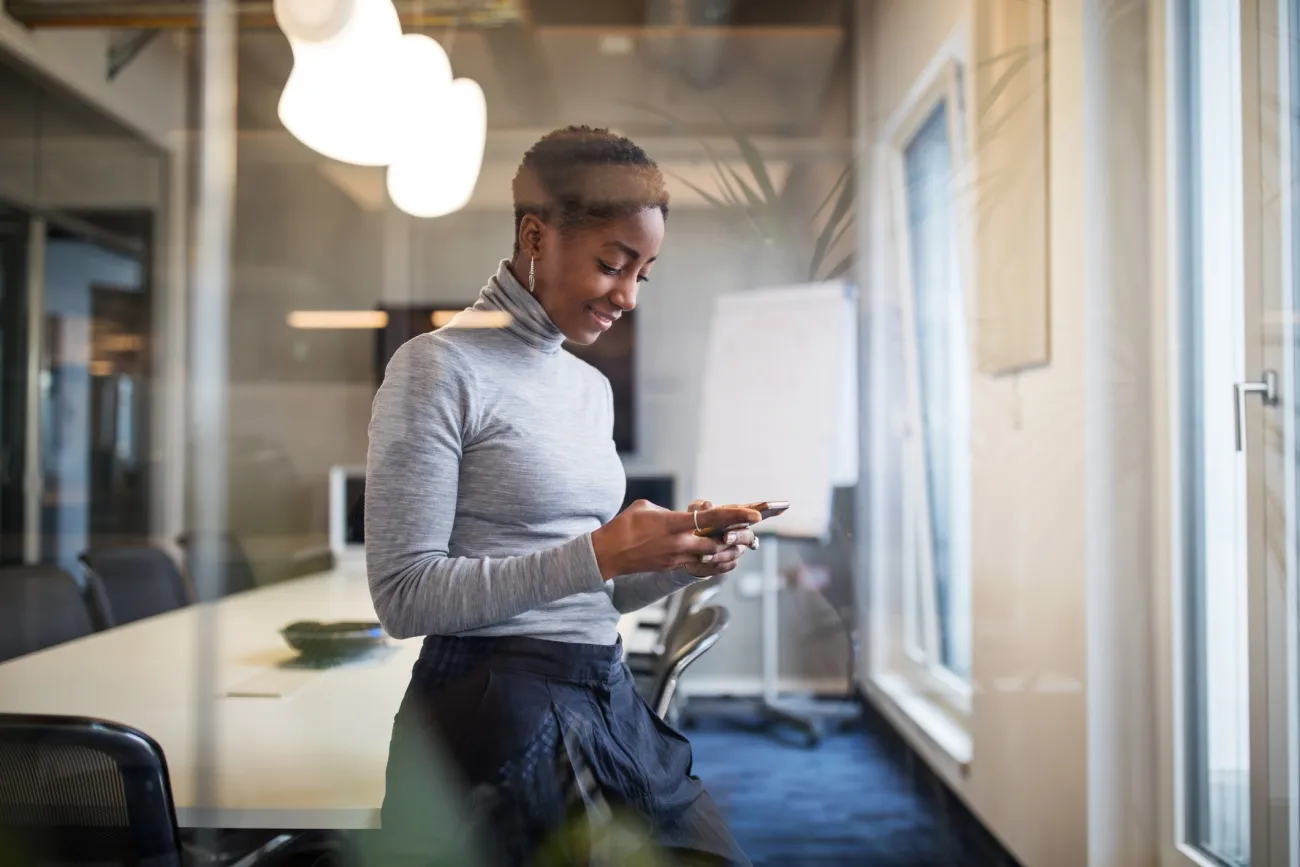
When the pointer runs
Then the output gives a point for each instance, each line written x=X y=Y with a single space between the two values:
x=292 y=748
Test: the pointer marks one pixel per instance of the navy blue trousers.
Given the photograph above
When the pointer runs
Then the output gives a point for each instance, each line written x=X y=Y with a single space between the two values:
x=522 y=751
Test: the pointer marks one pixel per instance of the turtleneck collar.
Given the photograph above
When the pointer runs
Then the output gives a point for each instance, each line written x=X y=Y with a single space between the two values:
x=528 y=319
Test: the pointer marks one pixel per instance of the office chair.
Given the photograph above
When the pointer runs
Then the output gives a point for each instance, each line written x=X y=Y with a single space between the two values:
x=134 y=582
x=235 y=566
x=697 y=595
x=680 y=605
x=697 y=632
x=40 y=606
x=83 y=791
x=308 y=561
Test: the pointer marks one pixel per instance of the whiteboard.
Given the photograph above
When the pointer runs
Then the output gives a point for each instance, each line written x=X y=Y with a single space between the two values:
x=778 y=418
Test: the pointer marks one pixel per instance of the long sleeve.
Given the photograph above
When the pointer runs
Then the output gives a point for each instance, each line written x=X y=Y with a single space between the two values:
x=634 y=592
x=422 y=415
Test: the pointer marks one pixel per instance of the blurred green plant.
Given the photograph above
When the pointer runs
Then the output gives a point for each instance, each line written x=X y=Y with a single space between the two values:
x=618 y=838
x=773 y=215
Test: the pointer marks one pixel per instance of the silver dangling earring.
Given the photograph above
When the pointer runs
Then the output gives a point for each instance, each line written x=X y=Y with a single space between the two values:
x=532 y=276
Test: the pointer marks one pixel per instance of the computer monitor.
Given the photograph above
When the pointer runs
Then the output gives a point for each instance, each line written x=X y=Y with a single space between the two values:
x=659 y=490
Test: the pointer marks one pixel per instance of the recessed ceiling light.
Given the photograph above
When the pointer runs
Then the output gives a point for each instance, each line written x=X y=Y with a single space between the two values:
x=472 y=318
x=615 y=45
x=332 y=319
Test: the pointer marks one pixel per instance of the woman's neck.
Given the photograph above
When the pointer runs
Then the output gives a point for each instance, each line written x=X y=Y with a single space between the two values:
x=519 y=267
x=529 y=320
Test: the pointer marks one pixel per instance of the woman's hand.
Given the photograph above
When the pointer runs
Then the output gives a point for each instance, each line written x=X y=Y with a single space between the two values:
x=648 y=538
x=722 y=563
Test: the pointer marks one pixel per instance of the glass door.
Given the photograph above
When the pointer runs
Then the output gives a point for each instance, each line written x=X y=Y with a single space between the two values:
x=1212 y=710
x=94 y=388
x=1236 y=129
x=1270 y=398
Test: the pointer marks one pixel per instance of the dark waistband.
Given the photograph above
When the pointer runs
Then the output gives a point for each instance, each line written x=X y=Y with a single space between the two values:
x=584 y=663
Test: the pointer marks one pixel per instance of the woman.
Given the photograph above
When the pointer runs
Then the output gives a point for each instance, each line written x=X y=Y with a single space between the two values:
x=491 y=493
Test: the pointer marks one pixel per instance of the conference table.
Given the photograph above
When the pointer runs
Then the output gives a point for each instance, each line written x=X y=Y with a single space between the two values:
x=286 y=747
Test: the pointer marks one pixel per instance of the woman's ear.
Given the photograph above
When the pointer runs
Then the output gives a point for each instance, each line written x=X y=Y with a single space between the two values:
x=530 y=235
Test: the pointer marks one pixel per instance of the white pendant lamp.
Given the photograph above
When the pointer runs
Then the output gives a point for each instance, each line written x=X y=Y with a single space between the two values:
x=424 y=76
x=341 y=99
x=313 y=20
x=423 y=69
x=441 y=153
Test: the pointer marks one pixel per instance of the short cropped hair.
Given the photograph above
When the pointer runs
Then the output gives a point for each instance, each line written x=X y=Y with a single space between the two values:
x=580 y=176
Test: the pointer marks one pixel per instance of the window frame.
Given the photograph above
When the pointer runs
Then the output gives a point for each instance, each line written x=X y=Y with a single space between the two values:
x=911 y=654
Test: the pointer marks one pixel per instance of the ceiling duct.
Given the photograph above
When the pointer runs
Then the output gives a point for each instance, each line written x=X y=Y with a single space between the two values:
x=253 y=14
x=696 y=40
x=703 y=60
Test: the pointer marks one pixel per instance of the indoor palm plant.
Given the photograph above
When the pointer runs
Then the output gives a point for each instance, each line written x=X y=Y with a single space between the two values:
x=797 y=247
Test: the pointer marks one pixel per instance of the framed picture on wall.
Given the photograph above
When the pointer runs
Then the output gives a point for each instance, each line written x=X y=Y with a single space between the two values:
x=1010 y=121
x=614 y=355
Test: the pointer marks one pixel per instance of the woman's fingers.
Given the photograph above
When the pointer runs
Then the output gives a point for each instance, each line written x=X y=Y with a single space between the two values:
x=701 y=546
x=729 y=554
x=721 y=516
x=744 y=537
x=714 y=567
x=699 y=505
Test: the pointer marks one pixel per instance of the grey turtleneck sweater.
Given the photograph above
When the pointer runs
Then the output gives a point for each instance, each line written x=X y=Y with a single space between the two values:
x=491 y=462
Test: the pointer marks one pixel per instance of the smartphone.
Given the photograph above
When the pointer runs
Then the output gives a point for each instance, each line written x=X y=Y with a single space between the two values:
x=766 y=508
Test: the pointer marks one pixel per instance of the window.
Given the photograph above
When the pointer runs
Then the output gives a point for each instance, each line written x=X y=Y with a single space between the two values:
x=929 y=367
x=942 y=394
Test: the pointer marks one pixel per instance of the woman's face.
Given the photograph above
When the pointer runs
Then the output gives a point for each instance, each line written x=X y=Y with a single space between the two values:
x=587 y=278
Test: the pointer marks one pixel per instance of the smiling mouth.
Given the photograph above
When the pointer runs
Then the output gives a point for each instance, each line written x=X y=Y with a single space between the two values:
x=604 y=320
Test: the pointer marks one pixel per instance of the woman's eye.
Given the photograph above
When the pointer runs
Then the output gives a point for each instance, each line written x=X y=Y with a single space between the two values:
x=608 y=268
x=643 y=278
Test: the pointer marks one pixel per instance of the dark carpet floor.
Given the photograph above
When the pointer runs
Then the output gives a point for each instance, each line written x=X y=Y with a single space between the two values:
x=856 y=799
x=859 y=798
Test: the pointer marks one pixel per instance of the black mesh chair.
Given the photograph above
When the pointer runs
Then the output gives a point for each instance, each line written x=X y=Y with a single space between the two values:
x=83 y=792
x=134 y=582
x=40 y=606
x=696 y=633
x=234 y=562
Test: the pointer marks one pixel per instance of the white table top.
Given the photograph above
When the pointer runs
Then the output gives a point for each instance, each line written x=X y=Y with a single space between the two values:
x=311 y=757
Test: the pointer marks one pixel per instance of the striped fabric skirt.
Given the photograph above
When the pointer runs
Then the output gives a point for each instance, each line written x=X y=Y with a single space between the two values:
x=522 y=751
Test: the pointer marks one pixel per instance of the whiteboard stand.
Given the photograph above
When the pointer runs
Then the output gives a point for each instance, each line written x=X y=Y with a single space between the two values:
x=771 y=631
x=770 y=621
x=808 y=717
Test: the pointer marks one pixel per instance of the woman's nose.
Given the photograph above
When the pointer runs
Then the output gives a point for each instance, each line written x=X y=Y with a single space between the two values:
x=624 y=296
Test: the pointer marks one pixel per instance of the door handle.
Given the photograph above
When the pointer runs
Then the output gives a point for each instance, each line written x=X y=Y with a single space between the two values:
x=1266 y=388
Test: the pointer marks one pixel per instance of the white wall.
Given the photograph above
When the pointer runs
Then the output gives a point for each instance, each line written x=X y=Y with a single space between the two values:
x=148 y=96
x=1061 y=700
